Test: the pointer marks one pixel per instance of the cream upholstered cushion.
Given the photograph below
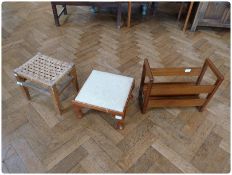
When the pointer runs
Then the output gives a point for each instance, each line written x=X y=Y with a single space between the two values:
x=106 y=90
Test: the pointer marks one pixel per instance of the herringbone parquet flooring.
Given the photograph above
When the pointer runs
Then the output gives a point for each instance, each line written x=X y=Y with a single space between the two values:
x=36 y=139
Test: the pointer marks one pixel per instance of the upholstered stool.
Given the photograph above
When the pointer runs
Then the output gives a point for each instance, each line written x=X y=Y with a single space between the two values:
x=105 y=92
x=44 y=74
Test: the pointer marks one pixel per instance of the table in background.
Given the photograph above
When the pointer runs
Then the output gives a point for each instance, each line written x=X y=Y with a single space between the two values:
x=117 y=5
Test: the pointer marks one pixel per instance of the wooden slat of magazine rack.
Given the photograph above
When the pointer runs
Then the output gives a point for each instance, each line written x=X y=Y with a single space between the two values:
x=179 y=89
x=176 y=71
x=176 y=102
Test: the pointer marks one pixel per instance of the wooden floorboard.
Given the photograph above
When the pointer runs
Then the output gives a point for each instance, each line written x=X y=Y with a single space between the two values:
x=35 y=139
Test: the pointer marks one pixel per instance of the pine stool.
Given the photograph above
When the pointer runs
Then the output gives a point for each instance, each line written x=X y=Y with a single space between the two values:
x=105 y=92
x=44 y=74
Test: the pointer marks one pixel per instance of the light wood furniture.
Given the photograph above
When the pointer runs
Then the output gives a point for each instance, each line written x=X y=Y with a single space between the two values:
x=188 y=14
x=44 y=74
x=178 y=94
x=212 y=14
x=129 y=14
x=105 y=92
x=35 y=140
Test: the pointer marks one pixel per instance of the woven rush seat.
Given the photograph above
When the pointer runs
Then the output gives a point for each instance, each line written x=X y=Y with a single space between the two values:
x=46 y=72
x=44 y=69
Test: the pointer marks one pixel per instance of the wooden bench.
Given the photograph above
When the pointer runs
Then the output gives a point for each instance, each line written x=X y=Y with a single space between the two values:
x=176 y=94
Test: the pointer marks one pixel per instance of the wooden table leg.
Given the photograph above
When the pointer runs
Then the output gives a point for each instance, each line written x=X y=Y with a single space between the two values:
x=119 y=15
x=154 y=8
x=23 y=88
x=129 y=15
x=188 y=15
x=65 y=9
x=74 y=81
x=56 y=99
x=180 y=11
x=77 y=110
x=55 y=14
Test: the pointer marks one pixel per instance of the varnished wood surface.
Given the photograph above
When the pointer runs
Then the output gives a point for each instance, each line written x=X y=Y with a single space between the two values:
x=36 y=139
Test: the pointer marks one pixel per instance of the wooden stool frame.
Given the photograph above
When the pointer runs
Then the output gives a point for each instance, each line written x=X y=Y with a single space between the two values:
x=176 y=94
x=120 y=116
x=52 y=91
x=43 y=73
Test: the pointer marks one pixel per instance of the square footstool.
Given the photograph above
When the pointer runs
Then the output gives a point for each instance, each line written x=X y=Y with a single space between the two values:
x=105 y=92
x=44 y=74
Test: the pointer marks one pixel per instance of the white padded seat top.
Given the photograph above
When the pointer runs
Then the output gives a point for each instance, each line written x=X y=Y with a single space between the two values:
x=106 y=90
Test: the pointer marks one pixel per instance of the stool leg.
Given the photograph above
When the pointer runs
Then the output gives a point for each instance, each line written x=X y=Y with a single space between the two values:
x=56 y=99
x=77 y=110
x=120 y=124
x=74 y=81
x=23 y=88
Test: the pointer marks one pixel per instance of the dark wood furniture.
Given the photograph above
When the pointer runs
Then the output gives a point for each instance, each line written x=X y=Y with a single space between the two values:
x=75 y=3
x=46 y=75
x=176 y=94
x=212 y=14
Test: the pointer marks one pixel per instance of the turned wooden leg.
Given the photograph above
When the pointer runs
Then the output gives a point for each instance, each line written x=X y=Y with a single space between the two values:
x=120 y=122
x=74 y=81
x=56 y=99
x=23 y=88
x=77 y=110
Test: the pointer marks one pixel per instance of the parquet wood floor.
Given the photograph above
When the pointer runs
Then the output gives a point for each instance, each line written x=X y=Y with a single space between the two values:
x=178 y=140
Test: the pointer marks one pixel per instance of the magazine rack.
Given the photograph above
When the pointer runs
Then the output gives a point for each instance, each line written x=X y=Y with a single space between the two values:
x=176 y=94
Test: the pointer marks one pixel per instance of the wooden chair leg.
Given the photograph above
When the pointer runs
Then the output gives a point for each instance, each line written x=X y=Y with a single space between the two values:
x=23 y=88
x=77 y=110
x=74 y=81
x=56 y=99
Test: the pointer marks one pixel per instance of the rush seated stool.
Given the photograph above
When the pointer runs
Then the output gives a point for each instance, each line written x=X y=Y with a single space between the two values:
x=45 y=74
x=105 y=92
